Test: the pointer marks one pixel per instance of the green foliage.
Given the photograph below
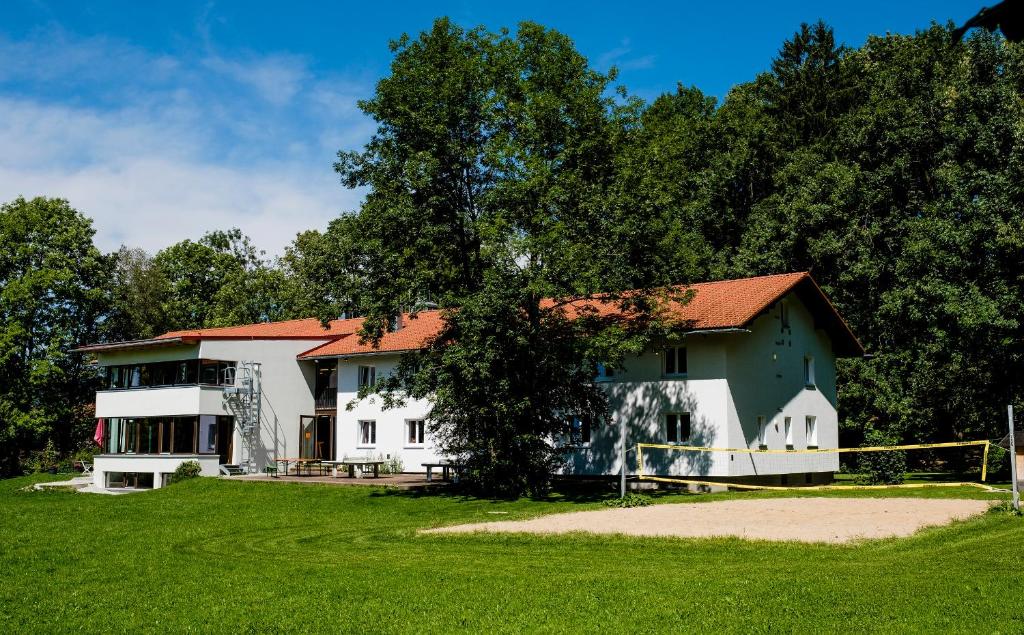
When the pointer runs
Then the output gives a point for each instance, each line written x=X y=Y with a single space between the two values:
x=881 y=468
x=52 y=298
x=393 y=465
x=998 y=466
x=185 y=471
x=629 y=500
x=492 y=186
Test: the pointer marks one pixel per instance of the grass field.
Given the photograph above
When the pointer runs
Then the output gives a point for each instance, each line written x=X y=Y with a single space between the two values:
x=218 y=556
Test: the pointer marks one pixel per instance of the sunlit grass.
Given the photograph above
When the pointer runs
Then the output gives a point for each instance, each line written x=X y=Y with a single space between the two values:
x=219 y=556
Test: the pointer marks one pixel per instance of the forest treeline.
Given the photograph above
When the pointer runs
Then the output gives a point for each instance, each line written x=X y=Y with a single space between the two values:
x=893 y=172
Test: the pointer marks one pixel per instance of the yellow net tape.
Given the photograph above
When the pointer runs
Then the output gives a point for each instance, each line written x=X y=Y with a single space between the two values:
x=883 y=448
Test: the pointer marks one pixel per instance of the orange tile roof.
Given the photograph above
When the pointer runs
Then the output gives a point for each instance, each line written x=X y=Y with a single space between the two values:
x=308 y=328
x=714 y=305
x=414 y=334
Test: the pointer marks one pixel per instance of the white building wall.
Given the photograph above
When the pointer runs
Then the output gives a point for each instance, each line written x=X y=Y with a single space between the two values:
x=287 y=390
x=640 y=396
x=765 y=375
x=286 y=385
x=392 y=437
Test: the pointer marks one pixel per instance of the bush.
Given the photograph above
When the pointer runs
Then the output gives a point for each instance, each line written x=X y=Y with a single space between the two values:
x=881 y=468
x=394 y=465
x=185 y=471
x=998 y=463
x=629 y=500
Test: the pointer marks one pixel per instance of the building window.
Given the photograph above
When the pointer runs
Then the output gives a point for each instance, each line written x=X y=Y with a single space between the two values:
x=207 y=434
x=367 y=376
x=579 y=431
x=604 y=372
x=677 y=427
x=784 y=316
x=788 y=424
x=367 y=433
x=809 y=371
x=675 y=360
x=762 y=432
x=415 y=429
x=812 y=432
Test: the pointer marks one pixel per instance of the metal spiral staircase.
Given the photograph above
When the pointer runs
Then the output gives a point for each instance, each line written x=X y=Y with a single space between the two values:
x=244 y=401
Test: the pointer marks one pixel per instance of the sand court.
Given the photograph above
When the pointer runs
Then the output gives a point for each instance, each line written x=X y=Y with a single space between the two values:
x=814 y=520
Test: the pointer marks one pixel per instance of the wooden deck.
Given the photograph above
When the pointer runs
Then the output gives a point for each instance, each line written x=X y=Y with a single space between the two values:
x=400 y=481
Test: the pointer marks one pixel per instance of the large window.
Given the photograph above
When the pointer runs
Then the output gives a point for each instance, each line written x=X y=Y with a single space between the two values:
x=165 y=435
x=762 y=432
x=809 y=371
x=177 y=373
x=677 y=427
x=675 y=360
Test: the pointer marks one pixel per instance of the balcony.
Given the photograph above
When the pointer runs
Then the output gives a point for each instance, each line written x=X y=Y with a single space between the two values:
x=327 y=400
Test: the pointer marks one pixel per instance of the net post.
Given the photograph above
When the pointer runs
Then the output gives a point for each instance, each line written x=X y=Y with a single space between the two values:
x=984 y=462
x=1013 y=459
x=622 y=459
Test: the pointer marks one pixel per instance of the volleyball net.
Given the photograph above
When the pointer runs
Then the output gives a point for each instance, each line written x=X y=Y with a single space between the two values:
x=657 y=461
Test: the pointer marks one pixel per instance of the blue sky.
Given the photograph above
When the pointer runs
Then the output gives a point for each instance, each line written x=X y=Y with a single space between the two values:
x=164 y=120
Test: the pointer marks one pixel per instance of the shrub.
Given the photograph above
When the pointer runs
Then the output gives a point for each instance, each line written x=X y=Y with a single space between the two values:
x=881 y=468
x=185 y=471
x=393 y=465
x=629 y=500
x=998 y=462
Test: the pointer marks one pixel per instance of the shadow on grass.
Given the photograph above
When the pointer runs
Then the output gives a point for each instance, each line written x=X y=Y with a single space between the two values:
x=578 y=491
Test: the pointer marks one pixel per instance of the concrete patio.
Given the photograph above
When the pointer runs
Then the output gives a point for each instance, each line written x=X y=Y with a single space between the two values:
x=407 y=481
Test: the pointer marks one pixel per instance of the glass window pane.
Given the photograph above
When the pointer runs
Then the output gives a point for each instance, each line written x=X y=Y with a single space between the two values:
x=671 y=431
x=682 y=360
x=670 y=361
x=207 y=434
x=684 y=425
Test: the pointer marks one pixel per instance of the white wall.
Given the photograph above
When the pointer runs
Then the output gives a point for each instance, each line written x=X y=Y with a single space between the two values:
x=391 y=429
x=640 y=396
x=765 y=373
x=155 y=464
x=287 y=392
x=287 y=388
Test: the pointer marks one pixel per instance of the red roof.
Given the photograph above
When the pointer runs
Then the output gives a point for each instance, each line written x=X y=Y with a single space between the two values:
x=714 y=305
x=414 y=334
x=304 y=329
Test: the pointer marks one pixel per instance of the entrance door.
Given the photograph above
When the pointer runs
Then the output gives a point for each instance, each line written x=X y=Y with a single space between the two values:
x=325 y=437
x=225 y=438
x=307 y=437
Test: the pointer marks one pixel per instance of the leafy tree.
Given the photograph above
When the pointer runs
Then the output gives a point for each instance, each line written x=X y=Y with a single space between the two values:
x=220 y=280
x=139 y=292
x=492 y=181
x=323 y=271
x=52 y=298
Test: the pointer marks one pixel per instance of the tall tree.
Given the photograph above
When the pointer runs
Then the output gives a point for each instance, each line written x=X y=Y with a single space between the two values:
x=492 y=188
x=52 y=298
x=139 y=293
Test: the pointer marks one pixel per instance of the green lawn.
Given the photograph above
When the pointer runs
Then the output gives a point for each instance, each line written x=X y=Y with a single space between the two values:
x=219 y=556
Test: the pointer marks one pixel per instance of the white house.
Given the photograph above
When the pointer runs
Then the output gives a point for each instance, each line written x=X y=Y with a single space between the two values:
x=753 y=366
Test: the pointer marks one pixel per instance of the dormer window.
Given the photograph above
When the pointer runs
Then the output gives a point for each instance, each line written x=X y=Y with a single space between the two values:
x=675 y=361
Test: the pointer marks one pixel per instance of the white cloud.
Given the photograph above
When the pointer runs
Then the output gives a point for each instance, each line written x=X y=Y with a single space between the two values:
x=621 y=59
x=275 y=78
x=157 y=149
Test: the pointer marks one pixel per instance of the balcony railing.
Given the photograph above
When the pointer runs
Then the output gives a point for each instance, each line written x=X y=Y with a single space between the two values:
x=327 y=399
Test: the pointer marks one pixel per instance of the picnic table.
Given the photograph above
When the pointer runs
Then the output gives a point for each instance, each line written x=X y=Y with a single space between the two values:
x=446 y=466
x=352 y=464
x=299 y=462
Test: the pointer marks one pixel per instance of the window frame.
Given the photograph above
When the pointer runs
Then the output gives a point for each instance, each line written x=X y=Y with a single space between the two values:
x=422 y=433
x=811 y=431
x=371 y=376
x=810 y=382
x=677 y=428
x=762 y=432
x=672 y=353
x=604 y=373
x=581 y=432
x=787 y=423
x=372 y=443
